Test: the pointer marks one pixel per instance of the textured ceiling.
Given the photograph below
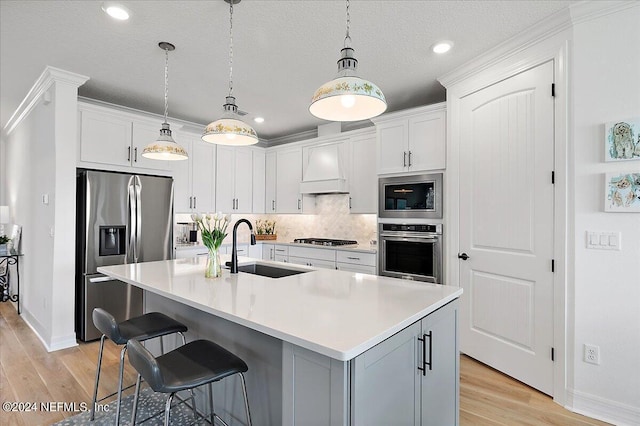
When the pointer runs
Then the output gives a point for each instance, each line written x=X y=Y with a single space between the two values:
x=283 y=51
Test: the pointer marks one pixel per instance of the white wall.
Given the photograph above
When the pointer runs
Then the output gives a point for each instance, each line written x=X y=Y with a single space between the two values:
x=30 y=173
x=606 y=87
x=41 y=147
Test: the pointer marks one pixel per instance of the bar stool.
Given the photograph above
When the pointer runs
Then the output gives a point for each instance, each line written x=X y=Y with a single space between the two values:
x=144 y=327
x=195 y=364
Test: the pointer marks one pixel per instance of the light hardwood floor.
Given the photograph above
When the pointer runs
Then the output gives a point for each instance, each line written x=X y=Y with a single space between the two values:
x=28 y=373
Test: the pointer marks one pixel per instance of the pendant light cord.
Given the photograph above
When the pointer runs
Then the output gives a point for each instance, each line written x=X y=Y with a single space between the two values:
x=166 y=84
x=348 y=37
x=231 y=48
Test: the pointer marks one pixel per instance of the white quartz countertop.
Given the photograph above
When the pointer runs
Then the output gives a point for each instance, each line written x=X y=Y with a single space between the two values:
x=335 y=313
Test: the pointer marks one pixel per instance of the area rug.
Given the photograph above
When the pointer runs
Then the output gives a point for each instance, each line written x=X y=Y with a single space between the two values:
x=150 y=403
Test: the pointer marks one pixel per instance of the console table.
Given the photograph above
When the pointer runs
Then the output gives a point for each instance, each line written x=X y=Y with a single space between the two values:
x=8 y=260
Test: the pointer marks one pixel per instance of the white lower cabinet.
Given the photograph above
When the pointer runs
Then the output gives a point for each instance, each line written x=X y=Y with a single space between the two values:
x=411 y=378
x=280 y=253
x=314 y=257
x=185 y=253
x=353 y=261
x=268 y=252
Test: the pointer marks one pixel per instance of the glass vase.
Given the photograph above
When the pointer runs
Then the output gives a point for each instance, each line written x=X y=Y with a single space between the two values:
x=214 y=267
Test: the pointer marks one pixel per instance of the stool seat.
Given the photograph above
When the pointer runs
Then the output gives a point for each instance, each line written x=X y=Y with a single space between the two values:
x=144 y=327
x=194 y=364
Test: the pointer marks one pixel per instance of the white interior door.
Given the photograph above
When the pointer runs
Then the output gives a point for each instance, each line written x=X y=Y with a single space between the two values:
x=506 y=226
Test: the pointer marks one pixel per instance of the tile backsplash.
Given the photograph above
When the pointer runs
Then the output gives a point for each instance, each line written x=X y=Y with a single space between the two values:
x=331 y=220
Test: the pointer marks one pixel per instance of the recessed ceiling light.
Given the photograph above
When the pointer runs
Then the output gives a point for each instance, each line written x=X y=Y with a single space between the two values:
x=116 y=11
x=442 y=46
x=259 y=120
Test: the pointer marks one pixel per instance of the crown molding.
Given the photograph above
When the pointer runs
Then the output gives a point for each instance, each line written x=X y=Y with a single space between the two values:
x=405 y=113
x=49 y=76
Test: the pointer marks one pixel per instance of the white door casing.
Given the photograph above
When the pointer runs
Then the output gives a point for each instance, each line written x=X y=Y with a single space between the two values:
x=506 y=224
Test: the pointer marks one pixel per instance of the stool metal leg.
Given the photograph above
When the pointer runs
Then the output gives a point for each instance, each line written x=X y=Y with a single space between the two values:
x=120 y=379
x=211 y=411
x=167 y=409
x=246 y=399
x=134 y=410
x=95 y=388
x=184 y=339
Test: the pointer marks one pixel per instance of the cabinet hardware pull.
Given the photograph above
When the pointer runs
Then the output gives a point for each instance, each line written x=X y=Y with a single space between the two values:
x=404 y=159
x=273 y=205
x=279 y=249
x=128 y=153
x=409 y=158
x=353 y=258
x=423 y=339
x=190 y=205
x=299 y=204
x=195 y=202
x=135 y=155
x=349 y=202
x=430 y=363
x=424 y=353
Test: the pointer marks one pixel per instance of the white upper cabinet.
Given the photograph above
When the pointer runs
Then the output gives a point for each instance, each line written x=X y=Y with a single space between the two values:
x=112 y=137
x=412 y=140
x=234 y=179
x=194 y=179
x=270 y=182
x=288 y=178
x=259 y=176
x=363 y=179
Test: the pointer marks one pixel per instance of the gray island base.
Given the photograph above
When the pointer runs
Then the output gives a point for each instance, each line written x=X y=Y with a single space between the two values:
x=323 y=347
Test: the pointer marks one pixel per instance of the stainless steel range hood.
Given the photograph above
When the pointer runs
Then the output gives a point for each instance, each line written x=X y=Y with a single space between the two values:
x=324 y=171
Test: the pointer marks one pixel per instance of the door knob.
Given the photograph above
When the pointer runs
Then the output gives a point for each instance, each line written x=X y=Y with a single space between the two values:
x=463 y=256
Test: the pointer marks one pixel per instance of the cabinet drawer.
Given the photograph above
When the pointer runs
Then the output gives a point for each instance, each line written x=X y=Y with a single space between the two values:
x=352 y=267
x=313 y=253
x=357 y=258
x=314 y=263
x=281 y=250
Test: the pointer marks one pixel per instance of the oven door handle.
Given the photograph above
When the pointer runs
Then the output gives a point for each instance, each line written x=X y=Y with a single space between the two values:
x=409 y=238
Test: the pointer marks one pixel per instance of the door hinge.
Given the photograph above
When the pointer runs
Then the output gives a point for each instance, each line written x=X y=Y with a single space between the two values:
x=553 y=265
x=553 y=90
x=553 y=354
x=553 y=177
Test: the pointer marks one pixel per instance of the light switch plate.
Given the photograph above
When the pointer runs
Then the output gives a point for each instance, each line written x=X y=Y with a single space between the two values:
x=604 y=240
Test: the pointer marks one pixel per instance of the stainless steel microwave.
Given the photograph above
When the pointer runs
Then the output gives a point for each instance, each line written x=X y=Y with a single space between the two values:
x=404 y=197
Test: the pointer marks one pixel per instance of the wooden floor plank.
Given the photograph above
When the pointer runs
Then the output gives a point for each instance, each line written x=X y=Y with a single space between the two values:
x=28 y=372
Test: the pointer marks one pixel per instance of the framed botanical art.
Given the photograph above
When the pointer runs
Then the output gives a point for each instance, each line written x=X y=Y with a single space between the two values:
x=622 y=192
x=622 y=140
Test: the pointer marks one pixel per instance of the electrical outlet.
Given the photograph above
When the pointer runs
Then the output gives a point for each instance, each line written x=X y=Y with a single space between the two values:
x=592 y=354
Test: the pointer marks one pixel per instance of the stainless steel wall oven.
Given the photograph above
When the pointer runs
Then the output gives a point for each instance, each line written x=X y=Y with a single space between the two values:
x=411 y=251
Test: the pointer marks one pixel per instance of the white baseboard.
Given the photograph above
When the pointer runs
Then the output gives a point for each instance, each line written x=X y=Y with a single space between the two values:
x=602 y=409
x=56 y=343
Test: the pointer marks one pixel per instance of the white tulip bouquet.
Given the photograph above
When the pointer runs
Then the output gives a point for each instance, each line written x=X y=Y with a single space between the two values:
x=213 y=228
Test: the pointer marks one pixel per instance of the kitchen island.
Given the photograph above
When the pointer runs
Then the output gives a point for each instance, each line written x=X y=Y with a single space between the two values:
x=323 y=346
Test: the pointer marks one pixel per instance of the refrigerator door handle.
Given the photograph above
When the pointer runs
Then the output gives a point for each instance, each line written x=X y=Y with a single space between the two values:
x=131 y=208
x=101 y=279
x=138 y=187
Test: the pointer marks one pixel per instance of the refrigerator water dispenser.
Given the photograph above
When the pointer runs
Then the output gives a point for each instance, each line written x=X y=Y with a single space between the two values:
x=112 y=240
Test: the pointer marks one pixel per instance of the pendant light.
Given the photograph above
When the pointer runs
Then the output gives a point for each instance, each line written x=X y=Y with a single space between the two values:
x=347 y=97
x=230 y=129
x=165 y=148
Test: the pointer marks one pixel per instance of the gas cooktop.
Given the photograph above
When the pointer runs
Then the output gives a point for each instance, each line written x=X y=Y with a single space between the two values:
x=325 y=242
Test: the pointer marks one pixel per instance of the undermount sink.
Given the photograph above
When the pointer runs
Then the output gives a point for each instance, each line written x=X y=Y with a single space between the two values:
x=269 y=271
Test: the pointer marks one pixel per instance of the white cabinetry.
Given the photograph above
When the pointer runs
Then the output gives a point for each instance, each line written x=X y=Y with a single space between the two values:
x=281 y=253
x=116 y=138
x=234 y=179
x=315 y=257
x=363 y=179
x=411 y=140
x=283 y=174
x=259 y=181
x=356 y=261
x=194 y=179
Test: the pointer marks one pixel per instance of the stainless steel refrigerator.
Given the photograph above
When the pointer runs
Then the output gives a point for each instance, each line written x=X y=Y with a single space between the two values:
x=120 y=218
